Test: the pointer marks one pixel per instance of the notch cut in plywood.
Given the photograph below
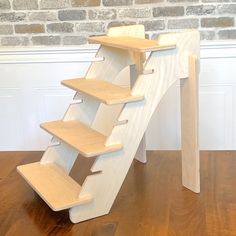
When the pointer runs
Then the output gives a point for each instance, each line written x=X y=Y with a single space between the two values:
x=131 y=43
x=53 y=185
x=87 y=141
x=103 y=91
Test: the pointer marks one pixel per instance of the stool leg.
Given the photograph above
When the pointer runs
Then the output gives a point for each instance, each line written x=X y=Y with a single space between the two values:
x=189 y=128
x=141 y=152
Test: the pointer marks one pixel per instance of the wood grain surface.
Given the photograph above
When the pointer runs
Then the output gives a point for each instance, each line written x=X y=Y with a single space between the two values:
x=87 y=141
x=134 y=44
x=53 y=185
x=151 y=202
x=101 y=90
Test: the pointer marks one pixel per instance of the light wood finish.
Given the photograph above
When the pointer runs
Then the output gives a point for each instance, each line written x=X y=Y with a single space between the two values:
x=189 y=127
x=182 y=58
x=89 y=111
x=141 y=151
x=105 y=92
x=119 y=124
x=136 y=70
x=137 y=31
x=84 y=111
x=63 y=154
x=129 y=43
x=55 y=187
x=106 y=116
x=86 y=140
x=171 y=67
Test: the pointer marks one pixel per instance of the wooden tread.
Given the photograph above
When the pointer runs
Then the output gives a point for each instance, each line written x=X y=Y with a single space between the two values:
x=53 y=185
x=103 y=91
x=130 y=43
x=86 y=140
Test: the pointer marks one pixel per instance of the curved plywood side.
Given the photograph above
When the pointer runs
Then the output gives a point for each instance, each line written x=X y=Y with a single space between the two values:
x=114 y=59
x=115 y=69
x=189 y=45
x=61 y=154
x=83 y=111
x=89 y=111
x=107 y=115
x=105 y=186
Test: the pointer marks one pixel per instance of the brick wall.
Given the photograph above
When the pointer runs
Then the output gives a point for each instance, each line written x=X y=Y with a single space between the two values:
x=69 y=22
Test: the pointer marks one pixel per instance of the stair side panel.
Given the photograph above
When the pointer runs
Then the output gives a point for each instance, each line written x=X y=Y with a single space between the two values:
x=114 y=167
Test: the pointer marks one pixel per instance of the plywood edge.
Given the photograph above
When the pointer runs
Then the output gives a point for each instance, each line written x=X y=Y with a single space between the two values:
x=97 y=147
x=28 y=172
x=124 y=94
x=135 y=46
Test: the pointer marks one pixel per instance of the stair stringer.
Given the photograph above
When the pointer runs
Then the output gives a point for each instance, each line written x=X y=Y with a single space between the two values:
x=105 y=186
x=114 y=67
x=114 y=59
x=62 y=154
x=107 y=115
x=89 y=110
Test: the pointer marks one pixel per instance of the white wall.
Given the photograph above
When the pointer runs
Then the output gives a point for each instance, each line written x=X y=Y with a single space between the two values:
x=217 y=104
x=30 y=93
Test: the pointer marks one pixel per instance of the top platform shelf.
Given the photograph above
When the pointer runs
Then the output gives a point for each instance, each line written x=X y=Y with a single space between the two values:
x=130 y=43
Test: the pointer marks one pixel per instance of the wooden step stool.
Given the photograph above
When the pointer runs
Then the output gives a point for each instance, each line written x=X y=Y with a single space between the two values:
x=113 y=105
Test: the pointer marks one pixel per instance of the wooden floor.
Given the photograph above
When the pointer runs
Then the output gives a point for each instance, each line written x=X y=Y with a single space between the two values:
x=151 y=202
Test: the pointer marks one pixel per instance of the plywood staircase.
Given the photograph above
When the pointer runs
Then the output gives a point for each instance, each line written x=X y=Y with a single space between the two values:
x=113 y=105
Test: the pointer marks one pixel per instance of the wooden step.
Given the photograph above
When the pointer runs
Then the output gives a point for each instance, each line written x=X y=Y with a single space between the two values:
x=103 y=91
x=86 y=140
x=130 y=43
x=53 y=185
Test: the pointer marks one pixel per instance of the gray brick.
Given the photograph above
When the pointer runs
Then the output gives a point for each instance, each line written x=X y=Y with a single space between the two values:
x=183 y=24
x=147 y=1
x=90 y=27
x=6 y=29
x=4 y=4
x=29 y=29
x=42 y=16
x=103 y=14
x=67 y=15
x=183 y=1
x=227 y=34
x=25 y=4
x=217 y=22
x=14 y=41
x=117 y=2
x=200 y=10
x=46 y=40
x=227 y=9
x=74 y=40
x=60 y=27
x=168 y=11
x=12 y=16
x=135 y=13
x=120 y=23
x=207 y=35
x=152 y=25
x=87 y=3
x=215 y=1
x=54 y=4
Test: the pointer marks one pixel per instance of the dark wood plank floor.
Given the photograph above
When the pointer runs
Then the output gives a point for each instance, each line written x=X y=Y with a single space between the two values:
x=151 y=202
